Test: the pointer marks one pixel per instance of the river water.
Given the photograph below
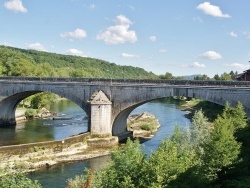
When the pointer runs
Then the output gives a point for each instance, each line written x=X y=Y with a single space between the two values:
x=166 y=111
x=38 y=130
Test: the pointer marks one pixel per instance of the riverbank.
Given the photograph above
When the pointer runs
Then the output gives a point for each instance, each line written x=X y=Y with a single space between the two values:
x=31 y=157
x=209 y=109
x=24 y=113
x=20 y=114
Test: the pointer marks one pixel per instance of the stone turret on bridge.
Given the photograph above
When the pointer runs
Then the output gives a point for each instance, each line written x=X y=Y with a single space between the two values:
x=101 y=111
x=108 y=105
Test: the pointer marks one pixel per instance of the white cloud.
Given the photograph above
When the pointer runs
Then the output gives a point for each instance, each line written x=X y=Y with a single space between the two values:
x=92 y=6
x=152 y=38
x=212 y=10
x=163 y=50
x=5 y=44
x=126 y=55
x=74 y=35
x=15 y=6
x=36 y=46
x=75 y=52
x=119 y=33
x=233 y=34
x=194 y=65
x=238 y=66
x=247 y=34
x=211 y=55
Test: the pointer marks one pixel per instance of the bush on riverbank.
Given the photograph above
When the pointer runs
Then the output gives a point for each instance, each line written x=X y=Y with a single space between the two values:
x=203 y=156
x=30 y=113
x=143 y=125
x=210 y=110
x=36 y=105
x=18 y=180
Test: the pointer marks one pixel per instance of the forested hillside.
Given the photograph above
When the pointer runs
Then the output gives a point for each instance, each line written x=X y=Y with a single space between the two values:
x=20 y=62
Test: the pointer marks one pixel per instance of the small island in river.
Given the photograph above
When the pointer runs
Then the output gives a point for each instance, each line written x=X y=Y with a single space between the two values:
x=143 y=126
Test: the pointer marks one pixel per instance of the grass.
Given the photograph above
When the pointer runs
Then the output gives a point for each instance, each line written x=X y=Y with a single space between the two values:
x=210 y=110
x=146 y=122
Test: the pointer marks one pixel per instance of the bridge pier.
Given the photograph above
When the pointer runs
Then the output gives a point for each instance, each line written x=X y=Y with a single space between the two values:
x=7 y=113
x=109 y=118
x=101 y=110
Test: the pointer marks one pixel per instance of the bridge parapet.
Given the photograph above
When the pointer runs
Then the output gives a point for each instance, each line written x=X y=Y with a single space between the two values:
x=121 y=96
x=109 y=81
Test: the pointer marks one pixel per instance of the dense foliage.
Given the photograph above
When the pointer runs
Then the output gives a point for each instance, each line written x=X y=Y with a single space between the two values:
x=20 y=62
x=224 y=76
x=204 y=155
x=18 y=180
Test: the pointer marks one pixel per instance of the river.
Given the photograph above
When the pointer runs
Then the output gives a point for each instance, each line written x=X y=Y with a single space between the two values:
x=38 y=130
x=168 y=114
x=166 y=111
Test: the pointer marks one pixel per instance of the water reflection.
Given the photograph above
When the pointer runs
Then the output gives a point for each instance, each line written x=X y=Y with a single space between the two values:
x=38 y=130
x=57 y=176
x=168 y=114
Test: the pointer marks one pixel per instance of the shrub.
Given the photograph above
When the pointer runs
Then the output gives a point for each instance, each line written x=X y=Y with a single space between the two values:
x=30 y=113
x=146 y=127
x=18 y=180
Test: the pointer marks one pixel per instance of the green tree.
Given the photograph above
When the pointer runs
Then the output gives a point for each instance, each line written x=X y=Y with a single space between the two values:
x=236 y=115
x=166 y=164
x=216 y=77
x=225 y=76
x=203 y=77
x=202 y=156
x=2 y=69
x=44 y=99
x=200 y=132
x=18 y=180
x=167 y=76
x=222 y=151
x=233 y=75
x=124 y=169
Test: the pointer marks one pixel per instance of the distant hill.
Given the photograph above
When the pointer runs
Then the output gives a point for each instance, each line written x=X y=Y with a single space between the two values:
x=20 y=62
x=191 y=77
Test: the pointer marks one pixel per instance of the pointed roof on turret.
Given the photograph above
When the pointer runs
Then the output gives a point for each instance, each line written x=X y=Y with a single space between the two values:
x=99 y=98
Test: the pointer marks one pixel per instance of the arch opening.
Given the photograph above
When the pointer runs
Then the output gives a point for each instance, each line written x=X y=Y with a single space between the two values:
x=71 y=120
x=213 y=109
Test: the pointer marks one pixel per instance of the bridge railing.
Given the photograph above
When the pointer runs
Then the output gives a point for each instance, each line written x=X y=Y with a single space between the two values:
x=128 y=81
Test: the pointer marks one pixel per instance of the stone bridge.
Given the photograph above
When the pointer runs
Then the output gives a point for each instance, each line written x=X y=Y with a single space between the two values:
x=108 y=102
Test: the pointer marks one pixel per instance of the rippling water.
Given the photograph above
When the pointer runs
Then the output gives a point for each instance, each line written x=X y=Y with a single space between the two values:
x=38 y=130
x=166 y=111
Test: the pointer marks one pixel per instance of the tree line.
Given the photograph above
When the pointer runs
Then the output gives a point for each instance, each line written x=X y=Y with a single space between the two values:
x=224 y=76
x=20 y=62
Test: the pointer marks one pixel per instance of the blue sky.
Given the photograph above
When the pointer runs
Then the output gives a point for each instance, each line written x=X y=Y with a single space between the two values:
x=177 y=36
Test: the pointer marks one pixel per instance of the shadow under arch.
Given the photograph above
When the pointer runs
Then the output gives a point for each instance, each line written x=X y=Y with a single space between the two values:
x=120 y=122
x=47 y=129
x=9 y=105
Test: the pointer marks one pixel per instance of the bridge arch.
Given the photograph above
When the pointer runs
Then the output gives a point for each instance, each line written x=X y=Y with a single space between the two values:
x=120 y=122
x=124 y=95
x=217 y=96
x=8 y=104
